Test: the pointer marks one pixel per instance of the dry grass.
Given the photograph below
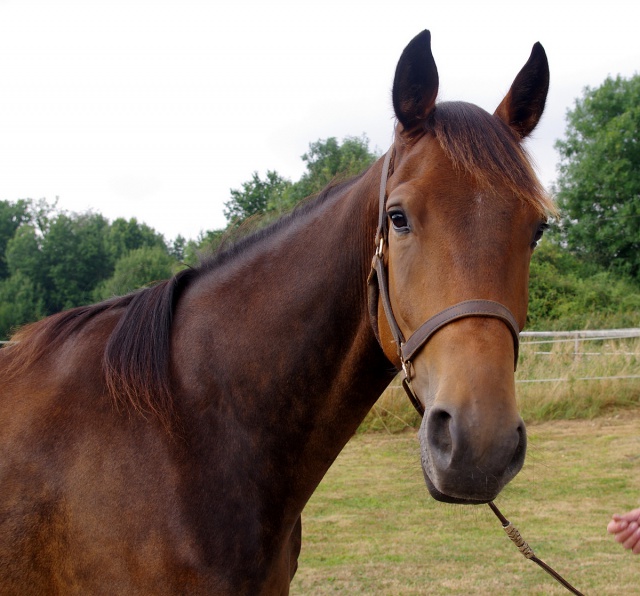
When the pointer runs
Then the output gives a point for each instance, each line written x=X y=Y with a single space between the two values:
x=371 y=527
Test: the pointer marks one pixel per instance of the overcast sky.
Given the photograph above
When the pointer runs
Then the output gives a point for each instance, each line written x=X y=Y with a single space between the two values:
x=155 y=109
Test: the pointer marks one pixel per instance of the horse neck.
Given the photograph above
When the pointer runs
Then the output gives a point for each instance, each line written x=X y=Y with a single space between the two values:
x=305 y=287
x=286 y=324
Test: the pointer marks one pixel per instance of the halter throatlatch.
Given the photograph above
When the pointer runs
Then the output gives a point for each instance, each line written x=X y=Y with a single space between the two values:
x=379 y=290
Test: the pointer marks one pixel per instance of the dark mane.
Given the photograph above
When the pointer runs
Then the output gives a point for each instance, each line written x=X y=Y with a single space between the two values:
x=137 y=354
x=32 y=341
x=487 y=149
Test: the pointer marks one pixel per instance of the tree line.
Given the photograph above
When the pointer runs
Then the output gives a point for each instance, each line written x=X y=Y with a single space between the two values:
x=52 y=260
x=585 y=272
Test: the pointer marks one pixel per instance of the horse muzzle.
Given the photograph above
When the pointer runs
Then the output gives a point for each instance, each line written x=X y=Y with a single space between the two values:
x=463 y=465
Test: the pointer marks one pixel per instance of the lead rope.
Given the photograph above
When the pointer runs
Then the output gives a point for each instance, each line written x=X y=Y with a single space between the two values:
x=527 y=551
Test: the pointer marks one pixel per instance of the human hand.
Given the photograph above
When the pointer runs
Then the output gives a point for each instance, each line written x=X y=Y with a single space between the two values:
x=626 y=530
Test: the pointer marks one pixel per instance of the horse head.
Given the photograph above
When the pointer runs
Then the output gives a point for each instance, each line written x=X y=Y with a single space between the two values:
x=462 y=213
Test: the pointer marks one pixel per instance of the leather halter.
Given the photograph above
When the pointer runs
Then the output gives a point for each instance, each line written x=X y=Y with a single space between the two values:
x=379 y=290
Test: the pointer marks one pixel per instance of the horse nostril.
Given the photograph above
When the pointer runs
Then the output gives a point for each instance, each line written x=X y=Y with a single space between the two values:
x=521 y=449
x=439 y=434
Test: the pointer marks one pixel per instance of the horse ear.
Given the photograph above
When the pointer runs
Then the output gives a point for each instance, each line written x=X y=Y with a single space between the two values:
x=415 y=85
x=522 y=107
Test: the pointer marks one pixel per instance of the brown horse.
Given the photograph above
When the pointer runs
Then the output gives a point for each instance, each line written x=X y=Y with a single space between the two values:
x=167 y=442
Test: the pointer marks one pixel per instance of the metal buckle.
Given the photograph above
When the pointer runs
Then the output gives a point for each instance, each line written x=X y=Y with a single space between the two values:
x=406 y=368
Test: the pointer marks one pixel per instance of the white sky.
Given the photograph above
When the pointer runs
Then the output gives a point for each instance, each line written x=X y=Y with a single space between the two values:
x=155 y=109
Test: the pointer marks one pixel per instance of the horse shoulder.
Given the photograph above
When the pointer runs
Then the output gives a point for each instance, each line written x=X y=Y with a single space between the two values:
x=82 y=479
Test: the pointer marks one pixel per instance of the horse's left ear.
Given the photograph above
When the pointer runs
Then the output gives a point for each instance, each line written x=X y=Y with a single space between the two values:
x=415 y=84
x=522 y=107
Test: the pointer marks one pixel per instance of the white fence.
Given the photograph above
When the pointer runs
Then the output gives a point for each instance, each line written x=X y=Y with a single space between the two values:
x=535 y=338
x=577 y=337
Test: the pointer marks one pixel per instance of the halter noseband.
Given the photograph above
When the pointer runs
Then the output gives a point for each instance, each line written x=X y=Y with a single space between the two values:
x=379 y=290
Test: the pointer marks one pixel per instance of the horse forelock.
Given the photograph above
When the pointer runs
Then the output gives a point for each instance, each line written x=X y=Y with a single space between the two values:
x=485 y=148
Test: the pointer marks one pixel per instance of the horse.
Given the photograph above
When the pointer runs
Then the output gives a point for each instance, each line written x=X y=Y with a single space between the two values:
x=167 y=441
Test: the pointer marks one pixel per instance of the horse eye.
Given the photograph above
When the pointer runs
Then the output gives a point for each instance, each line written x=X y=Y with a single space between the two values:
x=399 y=221
x=539 y=232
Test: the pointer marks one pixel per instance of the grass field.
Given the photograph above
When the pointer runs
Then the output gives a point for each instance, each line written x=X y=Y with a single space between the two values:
x=371 y=527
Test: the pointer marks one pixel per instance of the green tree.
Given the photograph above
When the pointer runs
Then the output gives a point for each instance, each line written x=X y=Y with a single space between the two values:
x=328 y=159
x=75 y=257
x=566 y=293
x=55 y=260
x=136 y=269
x=178 y=247
x=598 y=187
x=21 y=301
x=124 y=236
x=22 y=293
x=205 y=245
x=23 y=255
x=12 y=216
x=257 y=196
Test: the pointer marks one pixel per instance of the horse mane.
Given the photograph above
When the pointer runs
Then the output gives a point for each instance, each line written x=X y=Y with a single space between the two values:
x=137 y=354
x=487 y=149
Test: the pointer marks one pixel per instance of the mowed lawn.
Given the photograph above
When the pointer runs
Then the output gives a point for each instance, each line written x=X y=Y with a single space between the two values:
x=372 y=528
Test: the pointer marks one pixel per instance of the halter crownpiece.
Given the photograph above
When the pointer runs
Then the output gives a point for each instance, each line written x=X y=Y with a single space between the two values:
x=379 y=290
